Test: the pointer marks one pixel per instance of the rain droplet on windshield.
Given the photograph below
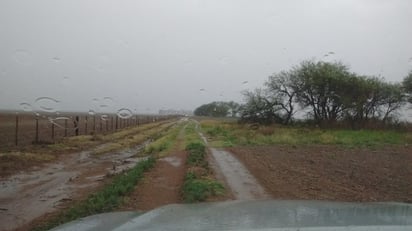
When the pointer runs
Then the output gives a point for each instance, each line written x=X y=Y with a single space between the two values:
x=56 y=121
x=65 y=80
x=201 y=89
x=125 y=113
x=104 y=117
x=47 y=104
x=91 y=112
x=56 y=59
x=245 y=82
x=22 y=57
x=26 y=107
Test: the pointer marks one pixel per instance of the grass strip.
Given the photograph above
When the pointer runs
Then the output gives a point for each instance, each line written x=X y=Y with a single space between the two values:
x=106 y=200
x=226 y=134
x=198 y=186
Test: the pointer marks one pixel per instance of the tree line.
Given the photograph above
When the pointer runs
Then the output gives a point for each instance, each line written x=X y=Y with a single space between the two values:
x=328 y=93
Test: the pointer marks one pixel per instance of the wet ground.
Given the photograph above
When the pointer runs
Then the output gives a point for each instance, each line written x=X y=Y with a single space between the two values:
x=26 y=196
x=238 y=180
x=322 y=172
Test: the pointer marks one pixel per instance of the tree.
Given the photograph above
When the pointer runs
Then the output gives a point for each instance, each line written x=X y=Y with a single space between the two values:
x=281 y=94
x=233 y=108
x=214 y=109
x=258 y=109
x=407 y=86
x=320 y=86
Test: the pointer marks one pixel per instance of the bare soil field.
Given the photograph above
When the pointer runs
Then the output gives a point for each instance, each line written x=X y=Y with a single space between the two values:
x=330 y=172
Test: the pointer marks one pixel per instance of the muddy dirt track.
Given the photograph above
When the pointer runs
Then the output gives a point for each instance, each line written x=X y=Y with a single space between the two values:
x=331 y=173
x=29 y=195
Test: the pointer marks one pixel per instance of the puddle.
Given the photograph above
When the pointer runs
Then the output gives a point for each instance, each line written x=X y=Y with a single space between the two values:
x=172 y=160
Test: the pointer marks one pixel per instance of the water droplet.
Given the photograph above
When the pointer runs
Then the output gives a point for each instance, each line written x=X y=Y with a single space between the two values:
x=124 y=113
x=410 y=61
x=108 y=101
x=245 y=82
x=22 y=57
x=92 y=112
x=224 y=60
x=26 y=107
x=331 y=52
x=201 y=89
x=47 y=104
x=104 y=117
x=66 y=80
x=56 y=59
x=60 y=122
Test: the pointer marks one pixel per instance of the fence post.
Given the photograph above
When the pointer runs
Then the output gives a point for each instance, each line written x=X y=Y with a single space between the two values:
x=111 y=122
x=36 y=139
x=101 y=125
x=94 y=124
x=117 y=121
x=85 y=125
x=65 y=127
x=76 y=126
x=17 y=130
x=52 y=131
x=107 y=124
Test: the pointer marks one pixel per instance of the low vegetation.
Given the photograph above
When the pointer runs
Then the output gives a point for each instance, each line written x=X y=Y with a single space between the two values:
x=225 y=134
x=105 y=200
x=165 y=141
x=199 y=185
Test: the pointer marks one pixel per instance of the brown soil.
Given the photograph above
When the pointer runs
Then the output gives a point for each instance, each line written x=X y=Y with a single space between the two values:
x=160 y=186
x=331 y=173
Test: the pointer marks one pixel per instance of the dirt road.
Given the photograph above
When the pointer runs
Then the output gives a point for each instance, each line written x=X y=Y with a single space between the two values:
x=26 y=196
x=237 y=177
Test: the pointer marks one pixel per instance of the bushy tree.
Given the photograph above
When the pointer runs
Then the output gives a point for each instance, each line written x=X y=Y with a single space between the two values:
x=407 y=86
x=281 y=95
x=218 y=109
x=258 y=108
x=320 y=86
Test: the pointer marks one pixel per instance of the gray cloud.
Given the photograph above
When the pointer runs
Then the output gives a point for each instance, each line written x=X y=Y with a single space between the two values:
x=148 y=55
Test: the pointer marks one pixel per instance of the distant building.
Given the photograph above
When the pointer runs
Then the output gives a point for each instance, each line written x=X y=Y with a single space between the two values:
x=176 y=112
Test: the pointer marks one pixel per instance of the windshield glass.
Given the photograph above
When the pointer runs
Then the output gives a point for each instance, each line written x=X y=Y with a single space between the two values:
x=133 y=105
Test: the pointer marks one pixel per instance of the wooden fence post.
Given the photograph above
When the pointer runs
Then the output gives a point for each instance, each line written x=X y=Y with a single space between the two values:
x=36 y=139
x=111 y=122
x=65 y=128
x=17 y=130
x=52 y=131
x=76 y=125
x=85 y=125
x=94 y=124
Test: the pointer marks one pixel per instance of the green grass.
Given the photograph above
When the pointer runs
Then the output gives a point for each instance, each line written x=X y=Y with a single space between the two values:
x=106 y=200
x=197 y=189
x=198 y=186
x=225 y=134
x=166 y=140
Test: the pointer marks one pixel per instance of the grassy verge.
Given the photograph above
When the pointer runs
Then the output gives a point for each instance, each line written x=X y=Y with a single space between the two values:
x=138 y=137
x=166 y=141
x=226 y=134
x=106 y=200
x=198 y=184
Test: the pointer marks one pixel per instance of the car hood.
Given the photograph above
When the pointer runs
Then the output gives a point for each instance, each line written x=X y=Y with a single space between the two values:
x=255 y=215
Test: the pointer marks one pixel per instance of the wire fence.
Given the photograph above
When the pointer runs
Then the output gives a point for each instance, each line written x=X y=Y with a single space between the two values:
x=18 y=130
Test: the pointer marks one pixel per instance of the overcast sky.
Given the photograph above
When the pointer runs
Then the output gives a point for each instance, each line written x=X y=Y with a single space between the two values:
x=149 y=55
